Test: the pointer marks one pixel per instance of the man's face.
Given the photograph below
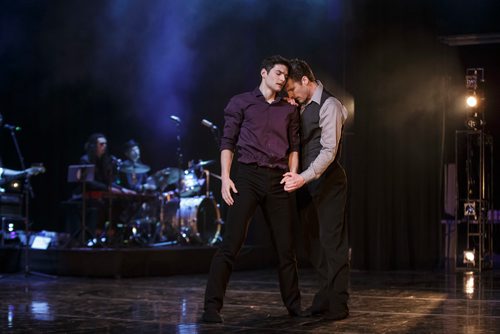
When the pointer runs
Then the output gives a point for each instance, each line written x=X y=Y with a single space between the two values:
x=101 y=146
x=134 y=153
x=276 y=78
x=298 y=91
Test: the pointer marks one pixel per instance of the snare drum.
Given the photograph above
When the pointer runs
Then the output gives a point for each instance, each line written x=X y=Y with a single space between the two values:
x=195 y=219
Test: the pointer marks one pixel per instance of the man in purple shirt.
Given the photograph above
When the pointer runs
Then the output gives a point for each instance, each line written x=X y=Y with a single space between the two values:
x=262 y=129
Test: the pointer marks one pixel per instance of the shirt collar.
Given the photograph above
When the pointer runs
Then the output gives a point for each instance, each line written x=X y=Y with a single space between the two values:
x=257 y=93
x=317 y=93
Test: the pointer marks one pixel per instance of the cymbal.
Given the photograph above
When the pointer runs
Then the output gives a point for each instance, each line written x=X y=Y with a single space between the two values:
x=168 y=176
x=137 y=168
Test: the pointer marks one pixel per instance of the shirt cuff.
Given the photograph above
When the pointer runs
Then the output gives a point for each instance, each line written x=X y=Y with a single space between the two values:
x=308 y=175
x=226 y=147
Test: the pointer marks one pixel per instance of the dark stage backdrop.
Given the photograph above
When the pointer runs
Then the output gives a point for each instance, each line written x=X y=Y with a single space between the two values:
x=70 y=68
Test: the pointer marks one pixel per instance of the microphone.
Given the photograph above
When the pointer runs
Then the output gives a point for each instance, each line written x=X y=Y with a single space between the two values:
x=208 y=124
x=175 y=119
x=12 y=127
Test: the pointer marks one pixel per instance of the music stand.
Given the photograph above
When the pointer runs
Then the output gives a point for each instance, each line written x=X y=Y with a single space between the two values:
x=82 y=174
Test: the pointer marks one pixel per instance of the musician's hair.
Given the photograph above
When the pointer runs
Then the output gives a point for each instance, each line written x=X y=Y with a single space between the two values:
x=90 y=146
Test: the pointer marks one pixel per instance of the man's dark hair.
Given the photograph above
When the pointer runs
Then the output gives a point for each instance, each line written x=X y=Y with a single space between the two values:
x=128 y=145
x=299 y=68
x=269 y=62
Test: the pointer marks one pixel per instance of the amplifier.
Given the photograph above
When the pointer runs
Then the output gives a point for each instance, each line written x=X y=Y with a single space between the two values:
x=11 y=205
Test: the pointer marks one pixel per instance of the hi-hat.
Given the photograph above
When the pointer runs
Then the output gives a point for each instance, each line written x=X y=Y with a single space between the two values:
x=137 y=168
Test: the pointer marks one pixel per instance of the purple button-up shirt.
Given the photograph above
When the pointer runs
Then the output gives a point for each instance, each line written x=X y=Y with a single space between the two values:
x=263 y=133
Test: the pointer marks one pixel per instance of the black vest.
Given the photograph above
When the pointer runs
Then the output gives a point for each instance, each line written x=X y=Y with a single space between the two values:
x=310 y=132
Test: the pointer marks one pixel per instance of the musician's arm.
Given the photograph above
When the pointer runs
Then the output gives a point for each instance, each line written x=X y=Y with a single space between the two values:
x=117 y=189
x=12 y=172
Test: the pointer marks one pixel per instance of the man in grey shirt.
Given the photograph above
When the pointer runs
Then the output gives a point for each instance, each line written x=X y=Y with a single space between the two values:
x=322 y=185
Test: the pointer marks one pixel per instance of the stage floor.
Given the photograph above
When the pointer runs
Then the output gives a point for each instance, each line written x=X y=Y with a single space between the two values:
x=387 y=302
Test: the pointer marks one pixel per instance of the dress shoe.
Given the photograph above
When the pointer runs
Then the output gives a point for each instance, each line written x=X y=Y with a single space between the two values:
x=211 y=315
x=312 y=310
x=338 y=315
x=298 y=313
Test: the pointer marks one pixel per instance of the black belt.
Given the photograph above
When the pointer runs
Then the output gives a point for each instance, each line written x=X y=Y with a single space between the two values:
x=270 y=168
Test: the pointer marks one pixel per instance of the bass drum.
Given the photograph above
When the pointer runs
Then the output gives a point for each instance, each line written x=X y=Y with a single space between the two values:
x=195 y=220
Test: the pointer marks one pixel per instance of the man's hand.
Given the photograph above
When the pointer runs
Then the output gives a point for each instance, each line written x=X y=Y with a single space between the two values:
x=128 y=191
x=291 y=101
x=115 y=190
x=292 y=181
x=226 y=188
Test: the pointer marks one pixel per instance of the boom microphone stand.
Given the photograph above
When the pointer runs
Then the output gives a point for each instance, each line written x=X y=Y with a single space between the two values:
x=214 y=129
x=180 y=170
x=177 y=121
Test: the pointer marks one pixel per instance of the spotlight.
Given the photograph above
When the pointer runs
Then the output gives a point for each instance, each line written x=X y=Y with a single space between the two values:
x=474 y=78
x=471 y=78
x=15 y=185
x=471 y=101
x=474 y=121
x=470 y=209
x=470 y=256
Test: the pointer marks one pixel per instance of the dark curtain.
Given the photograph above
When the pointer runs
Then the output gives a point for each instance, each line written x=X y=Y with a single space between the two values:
x=401 y=82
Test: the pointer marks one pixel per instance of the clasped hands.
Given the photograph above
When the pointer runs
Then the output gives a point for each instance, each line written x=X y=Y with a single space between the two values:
x=292 y=181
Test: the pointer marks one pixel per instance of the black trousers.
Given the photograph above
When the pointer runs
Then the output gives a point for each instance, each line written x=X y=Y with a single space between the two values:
x=257 y=186
x=322 y=213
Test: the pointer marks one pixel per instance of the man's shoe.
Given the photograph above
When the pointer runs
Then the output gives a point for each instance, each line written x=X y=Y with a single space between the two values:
x=312 y=311
x=339 y=315
x=211 y=315
x=298 y=313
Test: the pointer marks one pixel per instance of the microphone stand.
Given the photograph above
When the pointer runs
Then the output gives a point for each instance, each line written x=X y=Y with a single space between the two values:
x=28 y=193
x=216 y=134
x=213 y=129
x=179 y=153
x=179 y=178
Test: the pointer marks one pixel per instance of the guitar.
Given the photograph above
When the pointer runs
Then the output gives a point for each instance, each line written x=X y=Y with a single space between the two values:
x=35 y=170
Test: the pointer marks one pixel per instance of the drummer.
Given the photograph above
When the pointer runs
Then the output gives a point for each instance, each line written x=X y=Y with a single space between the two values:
x=133 y=173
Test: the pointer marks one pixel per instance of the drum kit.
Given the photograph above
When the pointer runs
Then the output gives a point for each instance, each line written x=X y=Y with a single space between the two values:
x=182 y=210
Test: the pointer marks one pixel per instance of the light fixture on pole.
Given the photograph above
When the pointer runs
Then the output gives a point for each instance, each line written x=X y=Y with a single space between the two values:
x=474 y=100
x=474 y=161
